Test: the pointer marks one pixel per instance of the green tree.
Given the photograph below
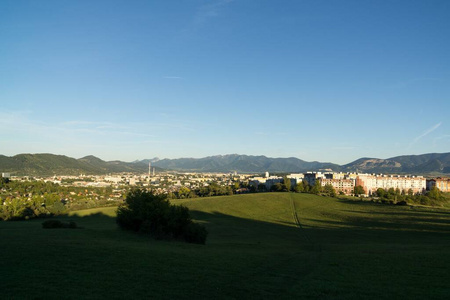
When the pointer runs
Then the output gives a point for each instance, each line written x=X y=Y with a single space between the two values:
x=316 y=188
x=153 y=214
x=358 y=190
x=306 y=186
x=183 y=192
x=3 y=181
x=410 y=192
x=278 y=187
x=435 y=194
x=381 y=193
x=287 y=183
x=262 y=187
x=299 y=187
x=329 y=190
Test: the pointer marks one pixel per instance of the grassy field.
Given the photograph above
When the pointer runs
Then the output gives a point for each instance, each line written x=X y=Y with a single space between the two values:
x=270 y=245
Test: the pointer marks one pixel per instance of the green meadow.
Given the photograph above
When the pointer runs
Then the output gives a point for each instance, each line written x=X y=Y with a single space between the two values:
x=260 y=246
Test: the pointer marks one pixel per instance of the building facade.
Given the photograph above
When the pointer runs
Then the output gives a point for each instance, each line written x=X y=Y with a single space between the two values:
x=371 y=183
x=443 y=184
x=345 y=186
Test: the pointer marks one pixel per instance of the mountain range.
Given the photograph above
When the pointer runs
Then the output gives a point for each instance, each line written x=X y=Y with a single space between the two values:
x=51 y=164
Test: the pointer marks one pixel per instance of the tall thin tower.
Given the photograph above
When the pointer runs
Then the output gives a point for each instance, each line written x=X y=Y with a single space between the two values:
x=149 y=168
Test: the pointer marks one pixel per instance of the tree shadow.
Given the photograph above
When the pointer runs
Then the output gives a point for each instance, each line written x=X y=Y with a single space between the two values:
x=259 y=259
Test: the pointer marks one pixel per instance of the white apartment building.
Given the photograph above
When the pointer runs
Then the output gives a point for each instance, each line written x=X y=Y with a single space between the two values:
x=371 y=183
x=296 y=178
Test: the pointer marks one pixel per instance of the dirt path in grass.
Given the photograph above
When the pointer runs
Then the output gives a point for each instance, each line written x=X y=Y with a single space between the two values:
x=313 y=245
x=283 y=274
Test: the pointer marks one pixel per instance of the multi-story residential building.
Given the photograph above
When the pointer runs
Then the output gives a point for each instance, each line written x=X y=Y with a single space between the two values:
x=256 y=181
x=296 y=178
x=272 y=180
x=371 y=183
x=267 y=181
x=345 y=186
x=443 y=184
x=311 y=177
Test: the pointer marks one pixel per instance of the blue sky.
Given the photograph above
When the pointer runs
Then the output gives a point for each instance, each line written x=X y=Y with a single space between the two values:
x=318 y=80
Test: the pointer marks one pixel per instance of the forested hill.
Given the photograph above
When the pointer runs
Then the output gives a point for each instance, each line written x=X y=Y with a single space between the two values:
x=433 y=163
x=437 y=163
x=50 y=164
x=242 y=163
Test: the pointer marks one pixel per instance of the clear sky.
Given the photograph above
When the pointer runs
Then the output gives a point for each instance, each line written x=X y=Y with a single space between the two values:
x=318 y=80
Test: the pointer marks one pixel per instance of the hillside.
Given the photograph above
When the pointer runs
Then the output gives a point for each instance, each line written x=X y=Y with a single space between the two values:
x=260 y=246
x=417 y=164
x=243 y=164
x=50 y=164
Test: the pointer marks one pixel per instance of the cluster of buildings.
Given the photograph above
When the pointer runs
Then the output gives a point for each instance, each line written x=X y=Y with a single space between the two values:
x=160 y=182
x=169 y=182
x=346 y=182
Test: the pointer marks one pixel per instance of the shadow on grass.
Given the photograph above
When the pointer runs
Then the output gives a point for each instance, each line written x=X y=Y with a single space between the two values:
x=242 y=258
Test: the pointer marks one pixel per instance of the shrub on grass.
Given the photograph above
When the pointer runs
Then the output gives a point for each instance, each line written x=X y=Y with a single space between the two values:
x=195 y=233
x=51 y=224
x=152 y=214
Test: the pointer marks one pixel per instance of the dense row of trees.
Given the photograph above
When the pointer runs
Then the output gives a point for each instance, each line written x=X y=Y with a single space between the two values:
x=432 y=197
x=31 y=199
x=301 y=187
x=213 y=189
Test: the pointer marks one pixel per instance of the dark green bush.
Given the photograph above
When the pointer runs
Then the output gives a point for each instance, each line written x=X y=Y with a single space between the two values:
x=72 y=225
x=51 y=224
x=195 y=233
x=152 y=214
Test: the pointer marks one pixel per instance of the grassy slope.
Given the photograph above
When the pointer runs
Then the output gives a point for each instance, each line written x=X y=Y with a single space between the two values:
x=255 y=249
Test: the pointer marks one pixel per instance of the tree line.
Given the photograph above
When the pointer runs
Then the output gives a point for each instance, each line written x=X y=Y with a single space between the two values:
x=32 y=199
x=212 y=189
x=433 y=197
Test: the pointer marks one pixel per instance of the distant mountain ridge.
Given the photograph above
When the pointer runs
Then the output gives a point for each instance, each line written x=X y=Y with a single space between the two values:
x=242 y=163
x=51 y=164
x=438 y=163
x=418 y=164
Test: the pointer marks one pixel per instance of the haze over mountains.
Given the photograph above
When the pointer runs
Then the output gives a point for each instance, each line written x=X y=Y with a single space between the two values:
x=50 y=164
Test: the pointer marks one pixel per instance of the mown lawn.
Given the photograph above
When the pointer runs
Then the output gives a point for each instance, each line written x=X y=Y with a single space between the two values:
x=340 y=249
